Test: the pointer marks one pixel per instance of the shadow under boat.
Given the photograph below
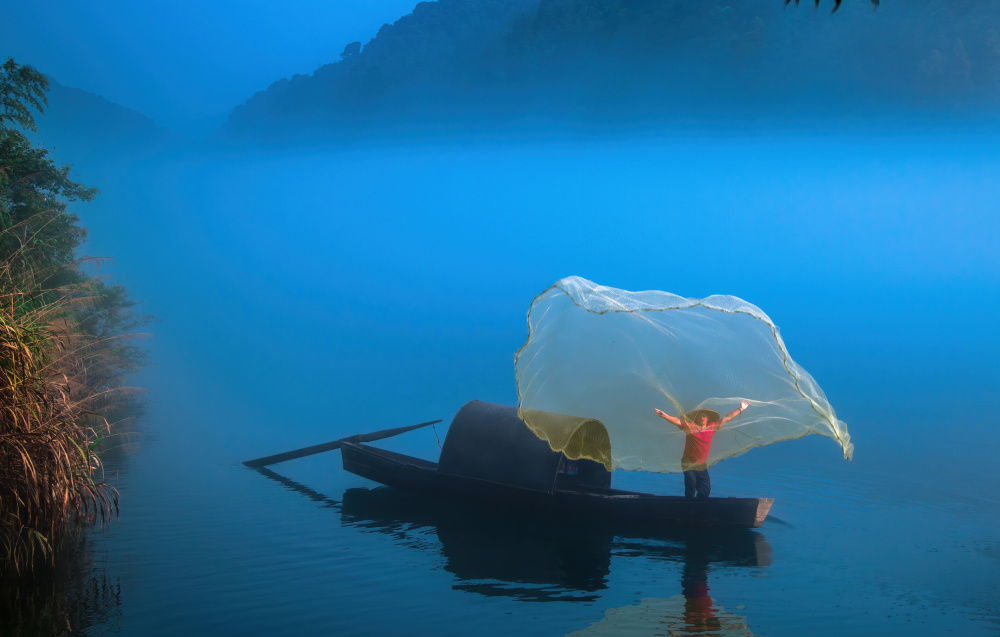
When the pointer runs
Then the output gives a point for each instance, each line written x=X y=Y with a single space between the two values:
x=514 y=554
x=490 y=455
x=491 y=553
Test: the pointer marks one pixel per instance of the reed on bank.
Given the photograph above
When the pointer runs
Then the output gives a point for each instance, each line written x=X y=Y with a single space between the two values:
x=54 y=375
x=64 y=344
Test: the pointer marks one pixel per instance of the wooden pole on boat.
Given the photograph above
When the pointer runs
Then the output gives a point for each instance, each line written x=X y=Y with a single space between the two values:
x=330 y=446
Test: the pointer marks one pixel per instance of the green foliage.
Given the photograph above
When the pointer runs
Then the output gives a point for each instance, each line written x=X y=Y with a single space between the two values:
x=22 y=89
x=65 y=344
x=33 y=189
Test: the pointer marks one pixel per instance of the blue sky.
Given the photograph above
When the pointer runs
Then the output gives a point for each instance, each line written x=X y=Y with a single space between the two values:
x=183 y=61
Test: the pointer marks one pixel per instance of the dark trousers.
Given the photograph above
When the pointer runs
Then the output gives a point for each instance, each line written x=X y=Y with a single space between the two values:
x=695 y=480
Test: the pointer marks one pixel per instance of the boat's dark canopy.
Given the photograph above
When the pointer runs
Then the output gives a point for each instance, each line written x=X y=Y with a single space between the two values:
x=490 y=442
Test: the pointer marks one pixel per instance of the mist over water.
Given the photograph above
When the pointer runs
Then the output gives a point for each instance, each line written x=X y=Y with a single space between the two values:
x=310 y=295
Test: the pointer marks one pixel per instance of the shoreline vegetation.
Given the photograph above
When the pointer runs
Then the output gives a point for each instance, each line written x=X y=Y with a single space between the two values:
x=67 y=344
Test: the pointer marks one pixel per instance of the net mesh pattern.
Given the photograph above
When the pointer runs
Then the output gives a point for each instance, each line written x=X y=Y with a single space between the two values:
x=597 y=352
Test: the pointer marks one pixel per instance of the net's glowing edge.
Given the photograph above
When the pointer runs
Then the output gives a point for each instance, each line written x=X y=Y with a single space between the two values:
x=599 y=353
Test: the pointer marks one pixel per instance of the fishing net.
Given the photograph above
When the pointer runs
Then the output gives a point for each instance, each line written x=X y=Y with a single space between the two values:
x=599 y=353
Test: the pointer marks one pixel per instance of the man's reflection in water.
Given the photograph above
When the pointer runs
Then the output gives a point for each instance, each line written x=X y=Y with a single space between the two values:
x=699 y=612
x=693 y=612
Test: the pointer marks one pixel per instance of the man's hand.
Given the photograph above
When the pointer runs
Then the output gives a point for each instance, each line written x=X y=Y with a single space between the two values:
x=668 y=417
x=736 y=412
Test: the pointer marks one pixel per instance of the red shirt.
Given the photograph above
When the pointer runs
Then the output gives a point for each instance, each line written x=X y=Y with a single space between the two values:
x=696 y=447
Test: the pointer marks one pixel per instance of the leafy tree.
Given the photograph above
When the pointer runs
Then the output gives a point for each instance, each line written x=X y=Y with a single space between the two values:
x=34 y=191
x=38 y=229
x=22 y=89
x=63 y=339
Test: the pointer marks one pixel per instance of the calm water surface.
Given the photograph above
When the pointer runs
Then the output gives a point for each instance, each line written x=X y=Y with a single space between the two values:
x=309 y=297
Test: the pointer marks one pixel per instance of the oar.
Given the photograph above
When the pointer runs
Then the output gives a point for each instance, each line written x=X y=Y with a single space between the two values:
x=329 y=446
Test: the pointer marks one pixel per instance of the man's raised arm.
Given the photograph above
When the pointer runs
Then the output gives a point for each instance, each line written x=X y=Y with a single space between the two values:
x=733 y=414
x=673 y=419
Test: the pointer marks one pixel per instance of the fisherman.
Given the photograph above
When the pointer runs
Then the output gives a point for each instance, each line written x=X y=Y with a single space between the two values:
x=700 y=425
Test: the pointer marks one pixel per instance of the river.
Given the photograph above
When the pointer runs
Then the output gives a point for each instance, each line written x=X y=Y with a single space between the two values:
x=309 y=295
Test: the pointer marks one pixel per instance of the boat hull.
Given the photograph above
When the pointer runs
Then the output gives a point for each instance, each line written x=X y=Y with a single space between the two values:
x=593 y=504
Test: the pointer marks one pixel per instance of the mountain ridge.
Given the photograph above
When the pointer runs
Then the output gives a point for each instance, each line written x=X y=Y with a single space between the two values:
x=466 y=64
x=78 y=125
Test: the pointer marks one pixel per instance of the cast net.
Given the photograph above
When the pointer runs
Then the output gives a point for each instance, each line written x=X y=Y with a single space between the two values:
x=595 y=352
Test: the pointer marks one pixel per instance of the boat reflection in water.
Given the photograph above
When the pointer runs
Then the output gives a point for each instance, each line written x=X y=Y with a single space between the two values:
x=531 y=558
x=493 y=553
x=490 y=551
x=537 y=558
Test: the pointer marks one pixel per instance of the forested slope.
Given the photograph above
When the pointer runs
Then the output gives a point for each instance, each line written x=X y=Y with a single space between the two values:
x=84 y=126
x=469 y=63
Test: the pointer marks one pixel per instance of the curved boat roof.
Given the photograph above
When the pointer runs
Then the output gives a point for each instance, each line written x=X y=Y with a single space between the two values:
x=491 y=442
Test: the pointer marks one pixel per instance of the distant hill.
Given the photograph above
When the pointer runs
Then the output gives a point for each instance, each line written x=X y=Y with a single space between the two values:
x=431 y=61
x=459 y=64
x=79 y=126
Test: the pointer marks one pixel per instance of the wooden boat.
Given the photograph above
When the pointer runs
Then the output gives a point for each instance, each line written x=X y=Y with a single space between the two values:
x=491 y=457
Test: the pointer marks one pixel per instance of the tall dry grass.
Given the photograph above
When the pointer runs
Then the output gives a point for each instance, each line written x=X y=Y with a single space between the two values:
x=51 y=387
